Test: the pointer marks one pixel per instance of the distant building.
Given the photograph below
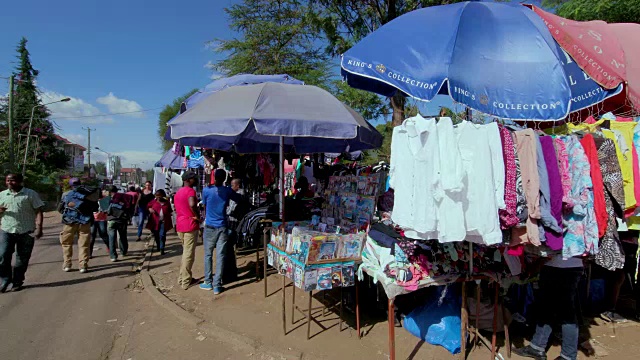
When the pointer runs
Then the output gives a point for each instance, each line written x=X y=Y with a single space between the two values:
x=75 y=153
x=130 y=175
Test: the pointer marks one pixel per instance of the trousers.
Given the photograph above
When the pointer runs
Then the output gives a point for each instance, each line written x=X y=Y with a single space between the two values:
x=68 y=234
x=22 y=245
x=117 y=236
x=188 y=240
x=557 y=303
x=99 y=228
x=214 y=239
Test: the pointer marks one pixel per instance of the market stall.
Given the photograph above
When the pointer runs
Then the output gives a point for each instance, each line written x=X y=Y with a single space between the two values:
x=284 y=118
x=511 y=195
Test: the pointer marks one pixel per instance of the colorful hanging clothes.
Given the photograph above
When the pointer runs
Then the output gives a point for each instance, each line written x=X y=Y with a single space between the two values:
x=547 y=224
x=525 y=141
x=610 y=255
x=600 y=207
x=554 y=239
x=627 y=130
x=565 y=176
x=625 y=158
x=581 y=229
x=508 y=215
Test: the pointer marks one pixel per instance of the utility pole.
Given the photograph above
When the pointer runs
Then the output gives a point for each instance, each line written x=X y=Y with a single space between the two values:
x=12 y=156
x=135 y=172
x=89 y=130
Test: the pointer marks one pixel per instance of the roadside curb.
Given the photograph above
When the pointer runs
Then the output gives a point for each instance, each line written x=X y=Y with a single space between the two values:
x=237 y=342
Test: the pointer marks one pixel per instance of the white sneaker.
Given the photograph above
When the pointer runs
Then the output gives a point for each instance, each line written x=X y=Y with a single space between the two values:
x=66 y=269
x=83 y=270
x=114 y=260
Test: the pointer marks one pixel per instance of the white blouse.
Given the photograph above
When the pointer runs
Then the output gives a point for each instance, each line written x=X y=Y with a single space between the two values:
x=481 y=151
x=414 y=177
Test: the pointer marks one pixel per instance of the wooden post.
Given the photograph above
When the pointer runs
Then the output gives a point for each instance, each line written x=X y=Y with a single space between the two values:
x=464 y=318
x=475 y=340
x=284 y=307
x=495 y=321
x=340 y=317
x=265 y=240
x=309 y=316
x=392 y=331
x=507 y=341
x=293 y=302
x=358 y=310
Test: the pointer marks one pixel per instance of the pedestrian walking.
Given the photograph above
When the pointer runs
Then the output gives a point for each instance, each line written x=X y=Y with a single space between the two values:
x=118 y=217
x=99 y=226
x=77 y=207
x=134 y=197
x=160 y=219
x=216 y=199
x=146 y=196
x=20 y=216
x=187 y=225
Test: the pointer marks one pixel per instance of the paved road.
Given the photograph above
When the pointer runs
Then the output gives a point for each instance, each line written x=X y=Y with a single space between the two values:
x=97 y=315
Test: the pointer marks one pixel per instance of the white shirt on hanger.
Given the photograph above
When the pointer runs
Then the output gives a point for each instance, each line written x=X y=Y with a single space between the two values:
x=451 y=223
x=481 y=151
x=414 y=177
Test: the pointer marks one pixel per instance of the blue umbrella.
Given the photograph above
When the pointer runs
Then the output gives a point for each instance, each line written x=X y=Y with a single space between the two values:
x=236 y=80
x=171 y=160
x=499 y=59
x=257 y=118
x=273 y=117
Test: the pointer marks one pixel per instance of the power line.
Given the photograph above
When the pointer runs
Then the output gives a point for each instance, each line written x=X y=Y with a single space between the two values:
x=100 y=115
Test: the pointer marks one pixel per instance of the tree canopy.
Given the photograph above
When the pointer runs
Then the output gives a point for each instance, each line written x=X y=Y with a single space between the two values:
x=167 y=113
x=612 y=11
x=26 y=97
x=344 y=23
x=275 y=37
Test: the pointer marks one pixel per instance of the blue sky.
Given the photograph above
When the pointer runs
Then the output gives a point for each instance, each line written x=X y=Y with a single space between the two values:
x=118 y=56
x=111 y=57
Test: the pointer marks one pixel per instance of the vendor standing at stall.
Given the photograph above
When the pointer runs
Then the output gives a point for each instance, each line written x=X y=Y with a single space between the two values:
x=558 y=283
x=216 y=199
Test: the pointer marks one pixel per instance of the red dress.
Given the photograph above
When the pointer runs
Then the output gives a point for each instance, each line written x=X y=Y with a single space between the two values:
x=599 y=204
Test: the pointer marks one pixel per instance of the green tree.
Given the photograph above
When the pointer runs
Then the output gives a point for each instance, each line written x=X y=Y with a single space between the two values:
x=612 y=11
x=101 y=168
x=275 y=37
x=169 y=111
x=366 y=103
x=26 y=96
x=344 y=23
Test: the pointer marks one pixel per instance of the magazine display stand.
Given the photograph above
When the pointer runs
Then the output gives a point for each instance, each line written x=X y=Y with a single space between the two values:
x=314 y=260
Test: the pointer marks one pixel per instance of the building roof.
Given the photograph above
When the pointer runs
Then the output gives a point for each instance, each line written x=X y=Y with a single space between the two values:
x=128 y=170
x=67 y=142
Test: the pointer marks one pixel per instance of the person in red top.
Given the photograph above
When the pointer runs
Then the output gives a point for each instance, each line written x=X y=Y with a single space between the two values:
x=187 y=225
x=160 y=218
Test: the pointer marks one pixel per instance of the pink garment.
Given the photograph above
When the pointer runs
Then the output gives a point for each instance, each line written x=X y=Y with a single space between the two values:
x=185 y=221
x=517 y=250
x=508 y=216
x=563 y=166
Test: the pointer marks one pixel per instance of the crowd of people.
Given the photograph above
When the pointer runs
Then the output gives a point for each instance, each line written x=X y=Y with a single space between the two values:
x=89 y=213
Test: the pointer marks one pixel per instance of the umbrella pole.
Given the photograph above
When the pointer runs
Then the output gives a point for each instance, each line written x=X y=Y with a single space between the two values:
x=281 y=174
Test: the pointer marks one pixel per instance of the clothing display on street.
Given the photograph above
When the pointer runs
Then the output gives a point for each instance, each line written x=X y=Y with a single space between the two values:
x=491 y=185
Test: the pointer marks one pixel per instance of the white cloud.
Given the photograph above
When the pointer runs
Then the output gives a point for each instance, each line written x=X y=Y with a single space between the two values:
x=76 y=138
x=143 y=159
x=117 y=105
x=75 y=109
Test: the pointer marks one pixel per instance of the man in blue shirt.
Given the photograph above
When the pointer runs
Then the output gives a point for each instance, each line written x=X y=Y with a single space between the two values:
x=216 y=198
